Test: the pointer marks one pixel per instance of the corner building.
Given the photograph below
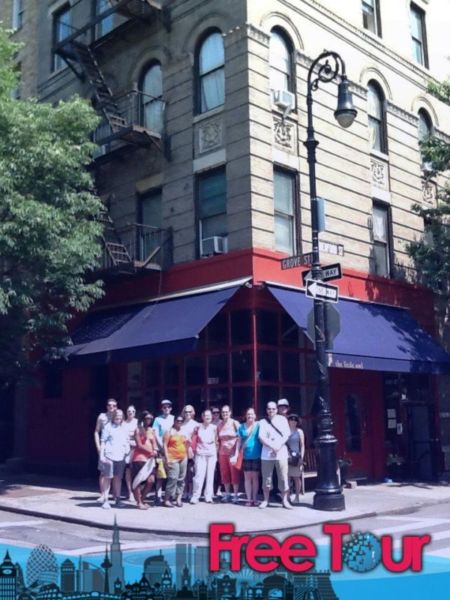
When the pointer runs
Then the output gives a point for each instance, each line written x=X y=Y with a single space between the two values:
x=203 y=171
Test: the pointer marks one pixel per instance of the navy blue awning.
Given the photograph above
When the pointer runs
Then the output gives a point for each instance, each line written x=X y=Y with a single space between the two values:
x=166 y=326
x=374 y=337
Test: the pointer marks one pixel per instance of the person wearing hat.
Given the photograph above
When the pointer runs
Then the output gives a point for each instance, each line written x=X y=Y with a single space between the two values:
x=162 y=424
x=283 y=407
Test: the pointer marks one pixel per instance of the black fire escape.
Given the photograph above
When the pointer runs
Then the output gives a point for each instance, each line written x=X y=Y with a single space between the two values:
x=137 y=246
x=122 y=115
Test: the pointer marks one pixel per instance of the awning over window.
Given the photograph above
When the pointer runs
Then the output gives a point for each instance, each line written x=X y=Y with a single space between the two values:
x=166 y=326
x=374 y=337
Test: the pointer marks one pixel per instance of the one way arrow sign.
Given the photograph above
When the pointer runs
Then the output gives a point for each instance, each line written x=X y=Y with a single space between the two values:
x=322 y=291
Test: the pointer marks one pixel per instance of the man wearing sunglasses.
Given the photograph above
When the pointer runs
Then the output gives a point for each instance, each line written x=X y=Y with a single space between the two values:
x=102 y=419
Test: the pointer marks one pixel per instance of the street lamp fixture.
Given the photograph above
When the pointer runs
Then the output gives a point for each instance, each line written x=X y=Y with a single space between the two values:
x=328 y=494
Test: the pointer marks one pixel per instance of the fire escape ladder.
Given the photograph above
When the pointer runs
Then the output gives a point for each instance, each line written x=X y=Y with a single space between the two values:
x=115 y=250
x=104 y=100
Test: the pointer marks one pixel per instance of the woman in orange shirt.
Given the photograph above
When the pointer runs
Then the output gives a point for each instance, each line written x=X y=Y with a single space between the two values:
x=175 y=452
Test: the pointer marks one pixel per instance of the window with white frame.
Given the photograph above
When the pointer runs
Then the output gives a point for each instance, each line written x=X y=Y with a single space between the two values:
x=377 y=118
x=17 y=14
x=61 y=30
x=211 y=72
x=280 y=61
x=418 y=35
x=107 y=23
x=152 y=104
x=284 y=186
x=212 y=205
x=381 y=231
x=371 y=16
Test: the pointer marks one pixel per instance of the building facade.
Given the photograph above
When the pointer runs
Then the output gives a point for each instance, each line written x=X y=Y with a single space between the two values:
x=202 y=168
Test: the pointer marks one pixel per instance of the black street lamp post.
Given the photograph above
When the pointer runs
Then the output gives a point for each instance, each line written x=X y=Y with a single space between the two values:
x=328 y=493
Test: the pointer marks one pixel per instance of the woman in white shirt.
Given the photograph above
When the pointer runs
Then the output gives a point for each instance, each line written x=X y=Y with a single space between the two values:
x=204 y=443
x=130 y=425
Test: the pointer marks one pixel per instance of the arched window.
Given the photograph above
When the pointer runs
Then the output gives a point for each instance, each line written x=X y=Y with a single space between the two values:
x=280 y=61
x=211 y=72
x=151 y=98
x=425 y=128
x=424 y=132
x=377 y=118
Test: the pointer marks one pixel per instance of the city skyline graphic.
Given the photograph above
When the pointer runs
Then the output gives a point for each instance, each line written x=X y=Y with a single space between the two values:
x=179 y=573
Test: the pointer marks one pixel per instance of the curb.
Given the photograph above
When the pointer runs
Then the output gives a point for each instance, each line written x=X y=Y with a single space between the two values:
x=131 y=529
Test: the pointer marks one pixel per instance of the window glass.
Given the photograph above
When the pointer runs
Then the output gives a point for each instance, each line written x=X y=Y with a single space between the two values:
x=218 y=368
x=105 y=25
x=218 y=396
x=171 y=372
x=267 y=327
x=280 y=62
x=371 y=16
x=242 y=366
x=241 y=327
x=17 y=14
x=194 y=370
x=381 y=237
x=290 y=367
x=267 y=393
x=61 y=29
x=211 y=72
x=268 y=365
x=151 y=210
x=218 y=332
x=290 y=334
x=376 y=115
x=148 y=235
x=424 y=127
x=152 y=104
x=284 y=221
x=380 y=224
x=152 y=373
x=243 y=398
x=212 y=199
x=418 y=35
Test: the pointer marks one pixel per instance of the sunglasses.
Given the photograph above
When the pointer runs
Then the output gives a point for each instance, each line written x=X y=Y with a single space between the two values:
x=179 y=421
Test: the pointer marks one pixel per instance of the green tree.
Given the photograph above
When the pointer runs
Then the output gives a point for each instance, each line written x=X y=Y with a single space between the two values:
x=49 y=229
x=431 y=254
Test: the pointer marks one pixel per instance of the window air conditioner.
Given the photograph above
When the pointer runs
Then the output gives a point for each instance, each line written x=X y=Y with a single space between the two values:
x=284 y=100
x=214 y=245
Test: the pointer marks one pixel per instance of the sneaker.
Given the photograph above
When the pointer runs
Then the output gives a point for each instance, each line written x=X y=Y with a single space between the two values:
x=193 y=501
x=118 y=503
x=226 y=498
x=158 y=501
x=287 y=505
x=263 y=504
x=235 y=499
x=209 y=501
x=101 y=499
x=106 y=505
x=168 y=504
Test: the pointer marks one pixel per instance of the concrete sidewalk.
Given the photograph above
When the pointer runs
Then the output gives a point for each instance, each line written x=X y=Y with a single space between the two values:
x=69 y=501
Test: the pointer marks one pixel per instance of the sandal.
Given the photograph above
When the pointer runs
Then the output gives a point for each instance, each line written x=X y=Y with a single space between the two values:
x=143 y=506
x=168 y=504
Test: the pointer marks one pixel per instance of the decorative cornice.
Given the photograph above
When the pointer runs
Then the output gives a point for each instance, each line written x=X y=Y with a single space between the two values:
x=250 y=31
x=402 y=113
x=370 y=40
x=445 y=137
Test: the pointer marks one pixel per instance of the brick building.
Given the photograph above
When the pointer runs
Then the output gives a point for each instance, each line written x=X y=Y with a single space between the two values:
x=201 y=165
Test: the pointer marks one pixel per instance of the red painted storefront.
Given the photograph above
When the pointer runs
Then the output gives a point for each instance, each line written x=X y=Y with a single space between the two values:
x=247 y=355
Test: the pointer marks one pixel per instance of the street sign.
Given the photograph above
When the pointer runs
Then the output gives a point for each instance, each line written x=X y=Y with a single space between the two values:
x=331 y=248
x=328 y=273
x=297 y=261
x=322 y=291
x=332 y=325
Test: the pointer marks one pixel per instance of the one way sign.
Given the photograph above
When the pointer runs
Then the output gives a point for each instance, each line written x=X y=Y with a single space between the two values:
x=328 y=273
x=322 y=291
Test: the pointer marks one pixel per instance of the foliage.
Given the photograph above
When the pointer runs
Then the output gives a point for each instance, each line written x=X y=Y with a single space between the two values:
x=431 y=254
x=49 y=230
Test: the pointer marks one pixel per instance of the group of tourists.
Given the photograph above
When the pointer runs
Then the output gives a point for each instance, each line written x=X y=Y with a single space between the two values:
x=178 y=456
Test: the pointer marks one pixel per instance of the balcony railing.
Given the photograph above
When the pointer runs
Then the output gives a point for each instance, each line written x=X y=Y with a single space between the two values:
x=131 y=109
x=138 y=246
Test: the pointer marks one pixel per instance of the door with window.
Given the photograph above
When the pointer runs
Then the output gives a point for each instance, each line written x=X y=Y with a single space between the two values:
x=358 y=415
x=150 y=222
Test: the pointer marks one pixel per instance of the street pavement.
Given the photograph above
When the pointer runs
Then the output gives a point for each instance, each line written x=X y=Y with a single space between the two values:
x=76 y=502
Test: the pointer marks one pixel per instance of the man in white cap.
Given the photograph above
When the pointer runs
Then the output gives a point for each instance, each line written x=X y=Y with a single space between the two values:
x=283 y=407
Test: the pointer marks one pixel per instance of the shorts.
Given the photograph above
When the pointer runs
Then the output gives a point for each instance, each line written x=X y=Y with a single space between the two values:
x=112 y=468
x=252 y=465
x=267 y=467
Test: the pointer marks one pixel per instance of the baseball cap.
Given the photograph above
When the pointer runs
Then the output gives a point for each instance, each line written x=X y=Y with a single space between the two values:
x=166 y=401
x=283 y=402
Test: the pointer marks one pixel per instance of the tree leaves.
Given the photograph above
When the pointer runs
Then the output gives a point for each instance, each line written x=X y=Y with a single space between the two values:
x=49 y=229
